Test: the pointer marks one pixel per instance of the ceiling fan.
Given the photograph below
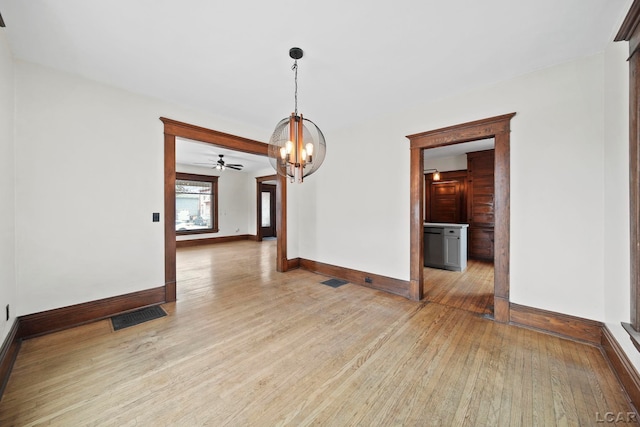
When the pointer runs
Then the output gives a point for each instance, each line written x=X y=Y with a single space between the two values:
x=221 y=165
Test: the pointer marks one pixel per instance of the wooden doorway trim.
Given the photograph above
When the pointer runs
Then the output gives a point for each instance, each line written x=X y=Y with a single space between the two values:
x=173 y=129
x=495 y=127
x=259 y=181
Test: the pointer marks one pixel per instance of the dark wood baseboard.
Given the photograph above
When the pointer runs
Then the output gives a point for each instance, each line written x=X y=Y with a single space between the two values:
x=8 y=354
x=584 y=330
x=563 y=325
x=374 y=281
x=501 y=309
x=292 y=264
x=45 y=322
x=170 y=292
x=211 y=240
x=621 y=365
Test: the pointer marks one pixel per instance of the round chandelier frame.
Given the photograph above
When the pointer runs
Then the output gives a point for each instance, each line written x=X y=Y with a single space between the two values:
x=297 y=146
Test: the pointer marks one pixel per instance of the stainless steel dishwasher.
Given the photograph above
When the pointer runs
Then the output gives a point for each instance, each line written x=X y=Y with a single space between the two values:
x=433 y=247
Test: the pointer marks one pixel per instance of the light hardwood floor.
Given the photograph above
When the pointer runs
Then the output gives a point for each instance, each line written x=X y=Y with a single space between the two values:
x=245 y=345
x=470 y=290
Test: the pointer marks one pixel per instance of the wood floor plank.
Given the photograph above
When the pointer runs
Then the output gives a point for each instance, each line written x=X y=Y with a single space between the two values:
x=246 y=345
x=471 y=289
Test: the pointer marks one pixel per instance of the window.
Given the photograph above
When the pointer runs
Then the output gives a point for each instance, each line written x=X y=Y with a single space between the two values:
x=196 y=203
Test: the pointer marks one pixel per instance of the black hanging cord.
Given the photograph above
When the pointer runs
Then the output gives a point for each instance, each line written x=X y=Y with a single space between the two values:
x=295 y=69
x=296 y=53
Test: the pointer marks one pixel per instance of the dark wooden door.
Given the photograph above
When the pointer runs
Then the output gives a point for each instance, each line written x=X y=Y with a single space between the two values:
x=446 y=199
x=267 y=210
x=445 y=202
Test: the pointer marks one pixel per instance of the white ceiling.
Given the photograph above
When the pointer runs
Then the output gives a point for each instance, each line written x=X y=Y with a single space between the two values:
x=459 y=149
x=362 y=58
x=194 y=153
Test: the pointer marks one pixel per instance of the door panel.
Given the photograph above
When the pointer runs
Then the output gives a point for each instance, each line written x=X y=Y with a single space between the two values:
x=445 y=199
x=481 y=204
x=445 y=202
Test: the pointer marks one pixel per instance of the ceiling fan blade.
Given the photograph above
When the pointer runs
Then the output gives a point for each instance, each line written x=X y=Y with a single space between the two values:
x=233 y=167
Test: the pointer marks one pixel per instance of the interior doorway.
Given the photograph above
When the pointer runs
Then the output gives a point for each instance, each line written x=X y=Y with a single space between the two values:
x=460 y=193
x=495 y=127
x=173 y=129
x=267 y=211
x=266 y=207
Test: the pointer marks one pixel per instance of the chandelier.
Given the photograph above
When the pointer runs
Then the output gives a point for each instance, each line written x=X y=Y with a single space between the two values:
x=297 y=146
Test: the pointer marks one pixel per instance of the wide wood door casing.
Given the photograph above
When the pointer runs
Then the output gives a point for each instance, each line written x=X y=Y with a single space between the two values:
x=499 y=128
x=174 y=129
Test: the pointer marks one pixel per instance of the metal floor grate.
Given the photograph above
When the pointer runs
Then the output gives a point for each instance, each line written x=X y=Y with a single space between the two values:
x=132 y=318
x=334 y=283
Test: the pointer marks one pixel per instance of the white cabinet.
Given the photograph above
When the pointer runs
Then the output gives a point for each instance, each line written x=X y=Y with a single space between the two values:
x=454 y=257
x=445 y=246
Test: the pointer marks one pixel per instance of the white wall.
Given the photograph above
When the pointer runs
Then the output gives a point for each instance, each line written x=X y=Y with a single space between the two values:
x=89 y=175
x=7 y=188
x=557 y=189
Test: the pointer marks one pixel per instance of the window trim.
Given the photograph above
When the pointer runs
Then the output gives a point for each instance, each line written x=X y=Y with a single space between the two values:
x=214 y=208
x=630 y=32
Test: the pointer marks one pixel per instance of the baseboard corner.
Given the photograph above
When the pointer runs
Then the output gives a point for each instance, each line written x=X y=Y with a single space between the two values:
x=563 y=325
x=8 y=354
x=621 y=365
